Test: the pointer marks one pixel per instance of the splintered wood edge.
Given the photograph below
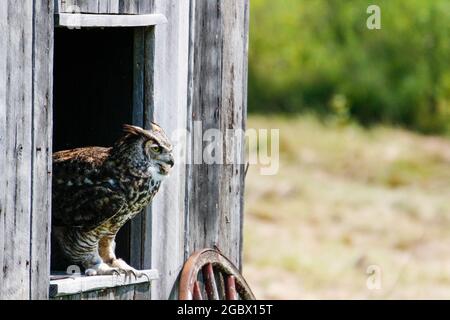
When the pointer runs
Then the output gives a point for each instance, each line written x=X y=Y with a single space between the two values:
x=79 y=284
x=83 y=20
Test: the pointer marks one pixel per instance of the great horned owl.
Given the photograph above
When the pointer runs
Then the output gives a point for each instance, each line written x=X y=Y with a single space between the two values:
x=96 y=190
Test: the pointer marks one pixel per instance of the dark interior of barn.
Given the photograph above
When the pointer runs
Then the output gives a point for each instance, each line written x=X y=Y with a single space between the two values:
x=93 y=92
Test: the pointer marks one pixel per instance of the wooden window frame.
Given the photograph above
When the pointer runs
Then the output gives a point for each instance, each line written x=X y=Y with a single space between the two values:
x=138 y=239
x=83 y=20
x=168 y=89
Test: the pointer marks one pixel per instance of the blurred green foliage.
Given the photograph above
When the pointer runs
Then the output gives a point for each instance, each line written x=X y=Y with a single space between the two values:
x=319 y=55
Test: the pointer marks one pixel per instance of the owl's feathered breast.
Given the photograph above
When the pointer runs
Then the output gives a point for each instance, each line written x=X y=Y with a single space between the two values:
x=90 y=190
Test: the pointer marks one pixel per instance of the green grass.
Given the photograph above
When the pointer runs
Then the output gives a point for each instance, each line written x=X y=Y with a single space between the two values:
x=346 y=198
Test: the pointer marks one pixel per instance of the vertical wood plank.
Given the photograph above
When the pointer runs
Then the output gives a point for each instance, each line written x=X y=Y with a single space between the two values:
x=142 y=291
x=136 y=227
x=170 y=105
x=3 y=142
x=146 y=6
x=206 y=38
x=42 y=151
x=124 y=293
x=244 y=121
x=140 y=226
x=149 y=75
x=70 y=5
x=90 y=6
x=149 y=59
x=16 y=176
x=58 y=6
x=83 y=6
x=218 y=76
x=113 y=6
x=190 y=151
x=129 y=6
x=61 y=5
x=103 y=6
x=25 y=113
x=234 y=84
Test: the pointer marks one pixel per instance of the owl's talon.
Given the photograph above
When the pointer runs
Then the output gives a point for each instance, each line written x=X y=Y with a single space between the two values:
x=101 y=269
x=132 y=272
x=116 y=272
x=138 y=274
x=128 y=273
x=128 y=270
x=142 y=274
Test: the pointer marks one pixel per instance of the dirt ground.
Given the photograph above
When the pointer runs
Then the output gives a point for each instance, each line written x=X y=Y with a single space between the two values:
x=352 y=213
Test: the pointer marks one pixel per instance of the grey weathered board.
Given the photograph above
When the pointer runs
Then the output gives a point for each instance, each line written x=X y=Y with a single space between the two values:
x=42 y=160
x=106 y=6
x=130 y=292
x=207 y=211
x=25 y=147
x=117 y=287
x=170 y=111
x=140 y=227
x=218 y=79
x=85 y=20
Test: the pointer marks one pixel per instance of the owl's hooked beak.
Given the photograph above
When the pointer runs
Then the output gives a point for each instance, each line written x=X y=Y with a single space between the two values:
x=166 y=165
x=170 y=162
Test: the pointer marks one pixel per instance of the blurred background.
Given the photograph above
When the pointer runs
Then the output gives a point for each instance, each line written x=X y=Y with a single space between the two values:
x=364 y=178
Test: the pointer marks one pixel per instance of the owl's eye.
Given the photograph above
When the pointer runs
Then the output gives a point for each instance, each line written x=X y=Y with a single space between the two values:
x=156 y=149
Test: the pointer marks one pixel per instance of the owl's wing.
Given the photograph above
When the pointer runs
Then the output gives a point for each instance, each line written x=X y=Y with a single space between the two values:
x=86 y=207
x=78 y=199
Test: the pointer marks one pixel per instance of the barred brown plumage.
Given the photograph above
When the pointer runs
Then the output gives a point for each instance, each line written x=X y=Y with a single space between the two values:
x=97 y=190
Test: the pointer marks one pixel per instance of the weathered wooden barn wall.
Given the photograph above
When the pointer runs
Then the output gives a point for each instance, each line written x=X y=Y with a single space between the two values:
x=218 y=82
x=194 y=70
x=26 y=48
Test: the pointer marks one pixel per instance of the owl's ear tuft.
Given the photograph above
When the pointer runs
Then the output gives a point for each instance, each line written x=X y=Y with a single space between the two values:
x=133 y=130
x=156 y=127
x=132 y=133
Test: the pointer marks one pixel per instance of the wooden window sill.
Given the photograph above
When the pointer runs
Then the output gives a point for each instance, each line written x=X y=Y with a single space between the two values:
x=72 y=285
